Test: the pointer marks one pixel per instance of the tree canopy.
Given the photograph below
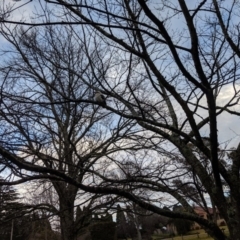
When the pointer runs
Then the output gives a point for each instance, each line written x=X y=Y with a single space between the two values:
x=170 y=73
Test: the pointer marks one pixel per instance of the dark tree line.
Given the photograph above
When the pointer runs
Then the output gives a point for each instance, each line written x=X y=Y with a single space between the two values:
x=137 y=223
x=18 y=220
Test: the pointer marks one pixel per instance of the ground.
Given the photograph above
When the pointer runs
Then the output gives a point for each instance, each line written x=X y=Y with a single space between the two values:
x=202 y=235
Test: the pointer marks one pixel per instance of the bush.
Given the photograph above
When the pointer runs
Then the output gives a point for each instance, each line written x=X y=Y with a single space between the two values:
x=103 y=231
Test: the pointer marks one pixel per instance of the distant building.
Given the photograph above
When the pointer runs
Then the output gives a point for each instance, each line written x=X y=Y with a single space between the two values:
x=209 y=214
x=201 y=212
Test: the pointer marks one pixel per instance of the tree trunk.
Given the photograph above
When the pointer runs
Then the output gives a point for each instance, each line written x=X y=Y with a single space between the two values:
x=139 y=234
x=67 y=220
x=67 y=197
x=233 y=221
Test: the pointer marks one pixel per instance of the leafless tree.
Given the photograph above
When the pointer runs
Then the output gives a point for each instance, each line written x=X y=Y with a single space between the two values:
x=173 y=68
x=50 y=111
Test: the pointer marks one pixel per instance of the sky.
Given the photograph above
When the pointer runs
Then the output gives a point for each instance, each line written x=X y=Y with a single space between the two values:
x=230 y=129
x=229 y=125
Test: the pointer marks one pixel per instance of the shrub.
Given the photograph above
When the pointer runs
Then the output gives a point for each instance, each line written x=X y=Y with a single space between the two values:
x=103 y=231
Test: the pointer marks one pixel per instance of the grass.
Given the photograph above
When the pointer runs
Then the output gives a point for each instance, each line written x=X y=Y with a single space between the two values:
x=202 y=236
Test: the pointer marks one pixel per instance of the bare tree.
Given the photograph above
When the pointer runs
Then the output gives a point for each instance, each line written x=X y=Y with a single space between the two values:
x=171 y=64
x=49 y=110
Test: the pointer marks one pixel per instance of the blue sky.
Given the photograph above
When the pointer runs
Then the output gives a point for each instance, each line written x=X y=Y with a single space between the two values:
x=228 y=125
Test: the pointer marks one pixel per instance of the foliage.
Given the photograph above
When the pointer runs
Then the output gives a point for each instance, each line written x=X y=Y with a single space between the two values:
x=12 y=214
x=121 y=224
x=182 y=225
x=103 y=231
x=15 y=219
